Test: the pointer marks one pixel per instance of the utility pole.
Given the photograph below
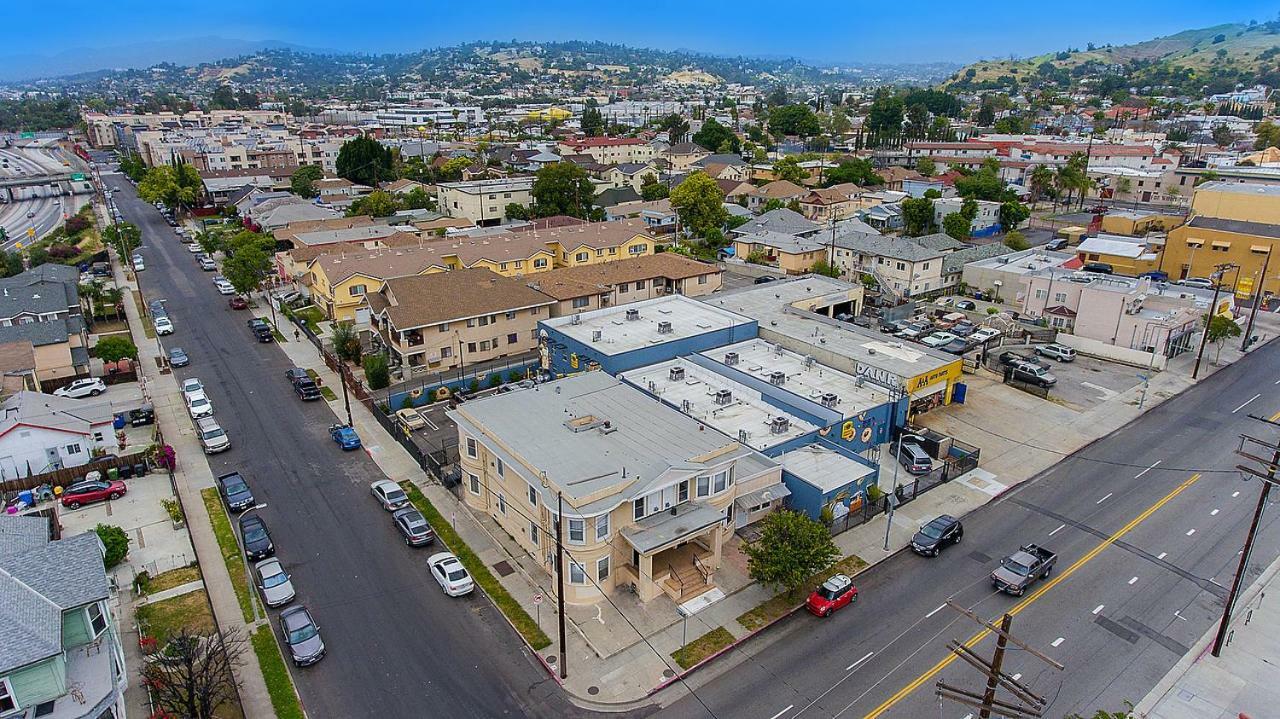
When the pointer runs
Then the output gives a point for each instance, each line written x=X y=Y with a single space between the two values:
x=564 y=661
x=1026 y=704
x=1268 y=477
x=1257 y=301
x=1213 y=311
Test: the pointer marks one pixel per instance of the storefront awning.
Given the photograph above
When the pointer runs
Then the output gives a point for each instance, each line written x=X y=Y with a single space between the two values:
x=760 y=496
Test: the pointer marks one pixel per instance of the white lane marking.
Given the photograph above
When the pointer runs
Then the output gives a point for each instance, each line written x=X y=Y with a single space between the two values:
x=1060 y=528
x=1100 y=501
x=1214 y=581
x=1214 y=513
x=1190 y=532
x=1058 y=641
x=1148 y=469
x=930 y=614
x=1246 y=404
x=1098 y=608
x=868 y=656
x=784 y=711
x=1162 y=555
x=1179 y=616
x=1135 y=580
x=1016 y=677
x=1235 y=493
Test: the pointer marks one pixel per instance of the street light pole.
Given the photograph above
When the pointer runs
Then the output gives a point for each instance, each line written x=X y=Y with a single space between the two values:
x=564 y=663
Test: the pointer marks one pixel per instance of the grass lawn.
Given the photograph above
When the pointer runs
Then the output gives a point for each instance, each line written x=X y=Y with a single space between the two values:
x=312 y=316
x=328 y=394
x=147 y=329
x=172 y=578
x=518 y=617
x=284 y=698
x=163 y=619
x=702 y=647
x=771 y=609
x=230 y=550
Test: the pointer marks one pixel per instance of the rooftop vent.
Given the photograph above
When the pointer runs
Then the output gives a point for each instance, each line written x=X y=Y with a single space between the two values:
x=585 y=422
x=731 y=358
x=633 y=315
x=743 y=436
x=685 y=406
x=664 y=328
x=779 y=425
x=829 y=399
x=676 y=374
x=595 y=334
x=777 y=377
x=809 y=361
x=723 y=396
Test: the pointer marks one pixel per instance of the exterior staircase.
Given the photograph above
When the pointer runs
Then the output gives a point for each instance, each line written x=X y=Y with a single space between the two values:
x=686 y=582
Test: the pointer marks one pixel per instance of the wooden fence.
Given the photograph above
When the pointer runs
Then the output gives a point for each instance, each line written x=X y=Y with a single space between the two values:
x=69 y=475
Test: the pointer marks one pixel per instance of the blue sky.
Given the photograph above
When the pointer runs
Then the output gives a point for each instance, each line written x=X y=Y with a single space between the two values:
x=819 y=30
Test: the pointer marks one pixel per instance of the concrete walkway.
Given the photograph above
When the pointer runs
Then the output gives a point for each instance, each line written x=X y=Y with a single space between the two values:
x=192 y=475
x=172 y=592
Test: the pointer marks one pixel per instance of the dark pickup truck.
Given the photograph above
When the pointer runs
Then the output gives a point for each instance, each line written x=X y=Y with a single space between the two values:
x=1022 y=568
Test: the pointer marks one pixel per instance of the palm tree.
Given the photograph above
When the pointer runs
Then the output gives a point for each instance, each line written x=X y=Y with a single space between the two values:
x=113 y=296
x=1041 y=179
x=92 y=291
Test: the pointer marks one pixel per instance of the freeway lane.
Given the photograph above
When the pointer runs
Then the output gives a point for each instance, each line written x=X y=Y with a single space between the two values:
x=397 y=646
x=1147 y=543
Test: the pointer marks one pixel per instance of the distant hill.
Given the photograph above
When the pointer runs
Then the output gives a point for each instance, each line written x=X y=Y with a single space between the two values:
x=1195 y=62
x=75 y=61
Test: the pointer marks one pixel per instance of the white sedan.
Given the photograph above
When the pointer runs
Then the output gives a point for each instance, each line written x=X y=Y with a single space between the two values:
x=389 y=494
x=938 y=339
x=191 y=386
x=163 y=325
x=198 y=405
x=87 y=387
x=453 y=577
x=225 y=287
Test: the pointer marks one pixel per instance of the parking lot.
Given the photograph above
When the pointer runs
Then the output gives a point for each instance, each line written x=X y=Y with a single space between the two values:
x=1087 y=381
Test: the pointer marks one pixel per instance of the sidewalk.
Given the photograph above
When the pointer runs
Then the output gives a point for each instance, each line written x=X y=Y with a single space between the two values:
x=191 y=476
x=1244 y=682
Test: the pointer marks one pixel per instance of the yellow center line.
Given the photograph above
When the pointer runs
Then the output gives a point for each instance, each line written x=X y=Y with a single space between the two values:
x=976 y=638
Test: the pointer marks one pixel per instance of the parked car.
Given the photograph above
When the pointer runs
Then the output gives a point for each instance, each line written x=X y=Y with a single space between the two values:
x=1009 y=357
x=389 y=494
x=178 y=357
x=157 y=308
x=984 y=334
x=1156 y=276
x=345 y=436
x=915 y=330
x=213 y=438
x=914 y=459
x=238 y=303
x=301 y=635
x=261 y=329
x=1022 y=568
x=1101 y=268
x=938 y=339
x=939 y=533
x=224 y=287
x=892 y=328
x=957 y=346
x=293 y=374
x=163 y=325
x=93 y=490
x=1034 y=374
x=307 y=389
x=966 y=305
x=142 y=416
x=273 y=582
x=413 y=526
x=198 y=405
x=513 y=386
x=138 y=263
x=835 y=593
x=1062 y=353
x=191 y=385
x=449 y=572
x=87 y=387
x=235 y=492
x=763 y=279
x=411 y=420
x=207 y=264
x=1199 y=282
x=963 y=328
x=255 y=537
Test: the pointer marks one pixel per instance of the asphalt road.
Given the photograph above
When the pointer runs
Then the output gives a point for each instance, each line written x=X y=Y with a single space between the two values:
x=1147 y=523
x=48 y=211
x=397 y=646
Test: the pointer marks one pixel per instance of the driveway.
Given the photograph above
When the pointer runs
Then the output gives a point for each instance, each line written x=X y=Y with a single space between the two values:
x=1089 y=381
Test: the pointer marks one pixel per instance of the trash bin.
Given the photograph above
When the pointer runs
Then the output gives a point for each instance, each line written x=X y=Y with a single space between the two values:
x=119 y=421
x=27 y=497
x=140 y=469
x=113 y=474
x=126 y=471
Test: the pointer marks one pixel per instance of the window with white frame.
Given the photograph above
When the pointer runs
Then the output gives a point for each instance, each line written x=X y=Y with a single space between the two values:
x=602 y=569
x=721 y=481
x=502 y=503
x=533 y=496
x=533 y=533
x=471 y=447
x=1060 y=297
x=602 y=527
x=637 y=508
x=73 y=449
x=577 y=575
x=683 y=492
x=704 y=486
x=577 y=531
x=7 y=702
x=1040 y=294
x=475 y=483
x=97 y=620
x=580 y=302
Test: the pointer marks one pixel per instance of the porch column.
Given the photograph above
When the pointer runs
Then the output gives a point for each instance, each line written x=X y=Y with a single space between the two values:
x=717 y=542
x=646 y=587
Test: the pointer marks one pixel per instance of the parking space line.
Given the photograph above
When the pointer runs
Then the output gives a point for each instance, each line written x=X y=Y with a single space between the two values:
x=784 y=711
x=1191 y=531
x=1162 y=555
x=1214 y=513
x=1058 y=641
x=940 y=608
x=1235 y=493
x=1060 y=528
x=1246 y=404
x=1133 y=581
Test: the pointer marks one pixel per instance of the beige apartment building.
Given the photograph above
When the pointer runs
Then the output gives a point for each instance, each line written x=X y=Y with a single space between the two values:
x=646 y=495
x=450 y=319
x=484 y=202
x=608 y=150
x=590 y=287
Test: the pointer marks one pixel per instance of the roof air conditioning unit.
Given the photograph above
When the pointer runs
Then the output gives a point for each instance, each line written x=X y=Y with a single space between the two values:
x=779 y=425
x=685 y=406
x=743 y=436
x=809 y=361
x=723 y=396
x=676 y=374
x=829 y=400
x=731 y=358
x=664 y=328
x=633 y=315
x=595 y=334
x=653 y=387
x=777 y=377
x=576 y=320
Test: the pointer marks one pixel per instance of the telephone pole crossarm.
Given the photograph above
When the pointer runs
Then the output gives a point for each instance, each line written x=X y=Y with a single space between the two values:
x=945 y=691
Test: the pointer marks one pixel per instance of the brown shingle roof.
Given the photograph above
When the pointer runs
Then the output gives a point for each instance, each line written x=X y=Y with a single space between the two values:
x=780 y=189
x=596 y=234
x=569 y=282
x=446 y=296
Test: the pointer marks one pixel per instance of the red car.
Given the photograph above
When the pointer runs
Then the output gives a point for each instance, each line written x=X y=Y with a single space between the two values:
x=238 y=303
x=834 y=593
x=92 y=491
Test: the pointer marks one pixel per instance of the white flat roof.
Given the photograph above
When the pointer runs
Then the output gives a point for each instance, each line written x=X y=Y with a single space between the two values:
x=746 y=411
x=805 y=377
x=1023 y=262
x=618 y=334
x=824 y=468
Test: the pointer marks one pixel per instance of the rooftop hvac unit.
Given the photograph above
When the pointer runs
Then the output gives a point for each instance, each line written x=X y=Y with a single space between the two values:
x=743 y=436
x=664 y=328
x=731 y=358
x=777 y=350
x=829 y=399
x=653 y=387
x=777 y=377
x=779 y=425
x=685 y=406
x=809 y=361
x=595 y=334
x=723 y=396
x=577 y=320
x=675 y=374
x=633 y=315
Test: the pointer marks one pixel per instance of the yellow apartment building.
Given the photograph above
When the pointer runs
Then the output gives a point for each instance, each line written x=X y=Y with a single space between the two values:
x=1236 y=223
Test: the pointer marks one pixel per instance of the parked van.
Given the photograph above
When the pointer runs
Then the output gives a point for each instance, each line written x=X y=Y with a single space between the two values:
x=914 y=459
x=213 y=438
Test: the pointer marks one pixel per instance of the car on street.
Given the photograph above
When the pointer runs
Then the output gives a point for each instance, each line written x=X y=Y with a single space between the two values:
x=255 y=538
x=191 y=385
x=198 y=405
x=194 y=248
x=1012 y=358
x=93 y=490
x=293 y=374
x=238 y=303
x=1199 y=282
x=235 y=491
x=938 y=339
x=307 y=389
x=260 y=329
x=1062 y=353
x=413 y=527
x=163 y=325
x=157 y=309
x=389 y=494
x=273 y=582
x=835 y=593
x=138 y=263
x=87 y=387
x=207 y=264
x=449 y=572
x=301 y=635
x=1020 y=570
x=939 y=533
x=410 y=419
x=178 y=357
x=344 y=436
x=224 y=287
x=213 y=438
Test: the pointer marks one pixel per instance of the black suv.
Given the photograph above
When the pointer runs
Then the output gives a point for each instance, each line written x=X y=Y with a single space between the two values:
x=306 y=389
x=255 y=538
x=937 y=534
x=261 y=330
x=235 y=492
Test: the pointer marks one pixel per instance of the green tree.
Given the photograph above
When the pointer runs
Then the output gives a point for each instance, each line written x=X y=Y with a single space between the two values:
x=956 y=225
x=797 y=120
x=10 y=264
x=981 y=185
x=791 y=549
x=699 y=202
x=886 y=113
x=246 y=267
x=375 y=371
x=114 y=348
x=563 y=189
x=773 y=203
x=1040 y=181
x=416 y=199
x=822 y=267
x=1222 y=135
x=1268 y=135
x=346 y=342
x=1016 y=241
x=1012 y=214
x=927 y=167
x=516 y=211
x=917 y=215
x=378 y=203
x=592 y=120
x=451 y=170
x=302 y=181
x=789 y=169
x=969 y=208
x=133 y=167
x=675 y=126
x=713 y=136
x=125 y=237
x=857 y=171
x=116 y=542
x=364 y=160
x=651 y=189
x=224 y=98
x=1221 y=329
x=177 y=186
